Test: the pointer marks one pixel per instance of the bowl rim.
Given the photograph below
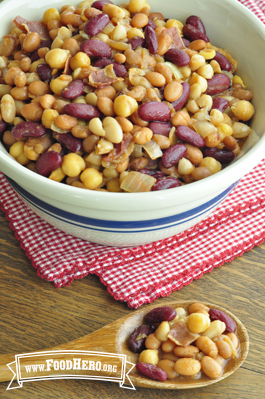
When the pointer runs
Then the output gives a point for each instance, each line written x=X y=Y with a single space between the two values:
x=28 y=179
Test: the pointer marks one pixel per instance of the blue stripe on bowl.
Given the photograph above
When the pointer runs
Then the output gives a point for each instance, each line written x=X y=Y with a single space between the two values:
x=119 y=226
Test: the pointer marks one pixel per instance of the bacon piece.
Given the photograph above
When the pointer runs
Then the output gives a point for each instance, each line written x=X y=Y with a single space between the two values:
x=32 y=26
x=103 y=77
x=121 y=151
x=176 y=41
x=180 y=334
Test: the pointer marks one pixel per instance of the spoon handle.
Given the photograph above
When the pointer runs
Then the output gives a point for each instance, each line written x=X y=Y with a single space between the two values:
x=102 y=340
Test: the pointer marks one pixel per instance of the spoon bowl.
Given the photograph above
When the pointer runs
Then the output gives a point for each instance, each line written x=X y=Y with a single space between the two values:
x=113 y=338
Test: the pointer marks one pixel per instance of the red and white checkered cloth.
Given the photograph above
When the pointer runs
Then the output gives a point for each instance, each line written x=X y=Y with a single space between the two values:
x=140 y=275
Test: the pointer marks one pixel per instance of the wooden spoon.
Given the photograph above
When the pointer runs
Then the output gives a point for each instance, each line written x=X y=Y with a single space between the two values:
x=113 y=339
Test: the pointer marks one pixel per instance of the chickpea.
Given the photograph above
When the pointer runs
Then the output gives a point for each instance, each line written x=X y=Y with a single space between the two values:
x=48 y=117
x=91 y=178
x=125 y=105
x=57 y=57
x=243 y=109
x=58 y=84
x=73 y=165
x=162 y=331
x=17 y=151
x=50 y=15
x=149 y=356
x=113 y=185
x=185 y=167
x=212 y=164
x=198 y=322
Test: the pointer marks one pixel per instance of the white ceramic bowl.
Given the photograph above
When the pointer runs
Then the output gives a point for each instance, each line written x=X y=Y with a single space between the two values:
x=125 y=219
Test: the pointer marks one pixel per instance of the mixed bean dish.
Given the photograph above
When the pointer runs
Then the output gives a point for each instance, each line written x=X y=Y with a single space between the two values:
x=119 y=98
x=185 y=344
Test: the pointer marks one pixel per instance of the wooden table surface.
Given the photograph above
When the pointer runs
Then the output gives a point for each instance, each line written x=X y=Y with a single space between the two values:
x=34 y=316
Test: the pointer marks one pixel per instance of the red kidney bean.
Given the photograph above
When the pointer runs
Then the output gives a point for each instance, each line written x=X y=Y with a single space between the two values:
x=162 y=128
x=222 y=316
x=47 y=162
x=166 y=183
x=34 y=56
x=220 y=103
x=186 y=42
x=178 y=104
x=162 y=313
x=157 y=174
x=189 y=136
x=224 y=63
x=100 y=3
x=191 y=33
x=73 y=90
x=45 y=72
x=151 y=24
x=119 y=69
x=96 y=48
x=217 y=84
x=137 y=338
x=151 y=42
x=221 y=155
x=135 y=42
x=82 y=111
x=151 y=371
x=96 y=24
x=154 y=111
x=3 y=126
x=103 y=62
x=173 y=154
x=45 y=43
x=178 y=57
x=73 y=144
x=28 y=129
x=197 y=22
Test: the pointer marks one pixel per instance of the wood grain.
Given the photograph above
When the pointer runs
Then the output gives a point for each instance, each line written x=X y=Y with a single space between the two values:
x=34 y=315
